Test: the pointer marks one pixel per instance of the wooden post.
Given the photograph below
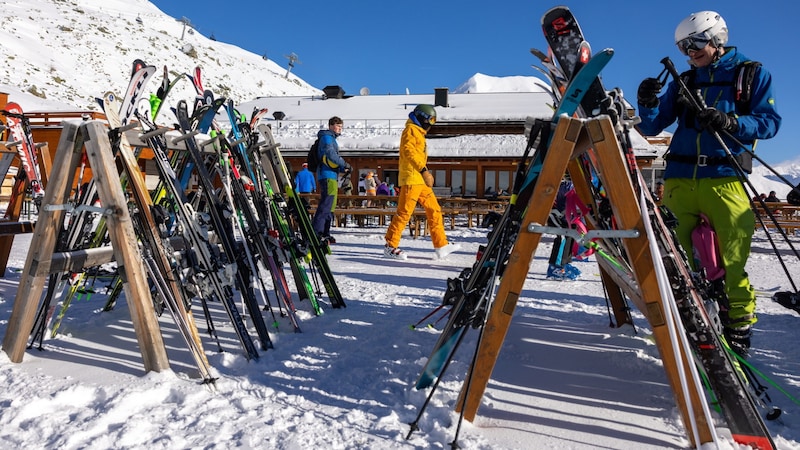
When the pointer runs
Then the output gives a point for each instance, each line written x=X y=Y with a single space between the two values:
x=126 y=249
x=37 y=264
x=45 y=162
x=13 y=211
x=565 y=137
x=615 y=176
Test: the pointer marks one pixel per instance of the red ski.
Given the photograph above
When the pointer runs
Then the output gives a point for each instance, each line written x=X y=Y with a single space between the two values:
x=19 y=130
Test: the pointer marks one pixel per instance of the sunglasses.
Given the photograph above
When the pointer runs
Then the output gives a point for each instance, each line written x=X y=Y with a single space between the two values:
x=694 y=43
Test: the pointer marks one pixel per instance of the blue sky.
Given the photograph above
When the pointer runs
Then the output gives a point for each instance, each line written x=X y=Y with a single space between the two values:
x=389 y=47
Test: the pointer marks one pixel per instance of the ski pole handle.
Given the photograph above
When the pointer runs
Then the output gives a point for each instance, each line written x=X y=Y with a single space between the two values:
x=670 y=67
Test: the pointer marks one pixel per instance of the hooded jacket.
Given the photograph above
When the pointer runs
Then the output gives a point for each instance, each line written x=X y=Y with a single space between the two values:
x=413 y=154
x=331 y=164
x=717 y=88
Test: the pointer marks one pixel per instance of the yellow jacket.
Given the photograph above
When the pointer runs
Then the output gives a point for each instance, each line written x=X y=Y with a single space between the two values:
x=413 y=155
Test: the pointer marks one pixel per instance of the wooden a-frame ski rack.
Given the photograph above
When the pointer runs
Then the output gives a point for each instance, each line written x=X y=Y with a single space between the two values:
x=93 y=135
x=571 y=138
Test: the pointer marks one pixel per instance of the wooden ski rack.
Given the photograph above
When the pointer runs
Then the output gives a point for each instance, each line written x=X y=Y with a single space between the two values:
x=573 y=137
x=93 y=136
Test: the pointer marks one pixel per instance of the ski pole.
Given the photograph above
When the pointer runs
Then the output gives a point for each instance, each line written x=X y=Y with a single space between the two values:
x=414 y=326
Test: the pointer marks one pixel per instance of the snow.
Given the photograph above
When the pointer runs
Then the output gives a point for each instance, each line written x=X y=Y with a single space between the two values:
x=564 y=379
x=487 y=83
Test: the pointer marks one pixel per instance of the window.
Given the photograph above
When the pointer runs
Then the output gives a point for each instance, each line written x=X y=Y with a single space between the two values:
x=470 y=182
x=457 y=182
x=440 y=177
x=504 y=181
x=489 y=182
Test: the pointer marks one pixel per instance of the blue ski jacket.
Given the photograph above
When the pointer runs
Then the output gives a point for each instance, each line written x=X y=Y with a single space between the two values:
x=304 y=181
x=716 y=83
x=330 y=163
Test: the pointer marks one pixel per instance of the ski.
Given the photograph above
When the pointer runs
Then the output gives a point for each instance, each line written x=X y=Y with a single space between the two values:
x=222 y=226
x=19 y=131
x=471 y=291
x=564 y=36
x=318 y=250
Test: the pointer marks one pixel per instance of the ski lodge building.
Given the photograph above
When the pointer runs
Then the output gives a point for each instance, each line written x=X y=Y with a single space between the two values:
x=473 y=149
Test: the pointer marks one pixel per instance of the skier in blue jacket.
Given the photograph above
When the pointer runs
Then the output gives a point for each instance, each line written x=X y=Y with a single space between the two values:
x=699 y=178
x=331 y=164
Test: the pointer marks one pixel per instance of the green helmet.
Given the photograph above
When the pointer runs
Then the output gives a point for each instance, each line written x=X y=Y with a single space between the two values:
x=425 y=114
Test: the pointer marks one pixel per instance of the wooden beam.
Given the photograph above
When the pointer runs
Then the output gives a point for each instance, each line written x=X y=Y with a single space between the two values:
x=43 y=243
x=564 y=138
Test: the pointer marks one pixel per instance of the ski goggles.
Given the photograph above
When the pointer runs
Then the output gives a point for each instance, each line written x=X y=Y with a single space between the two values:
x=431 y=119
x=693 y=43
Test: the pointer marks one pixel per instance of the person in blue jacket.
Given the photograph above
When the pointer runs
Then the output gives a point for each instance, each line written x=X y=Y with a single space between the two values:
x=304 y=181
x=699 y=177
x=331 y=164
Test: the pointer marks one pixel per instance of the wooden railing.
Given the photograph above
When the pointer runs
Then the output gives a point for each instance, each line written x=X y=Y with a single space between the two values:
x=378 y=210
x=787 y=216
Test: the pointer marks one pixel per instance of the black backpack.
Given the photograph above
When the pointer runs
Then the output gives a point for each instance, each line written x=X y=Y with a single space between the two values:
x=742 y=83
x=313 y=156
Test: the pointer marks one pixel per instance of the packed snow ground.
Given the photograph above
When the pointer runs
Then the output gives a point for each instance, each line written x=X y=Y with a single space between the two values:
x=565 y=378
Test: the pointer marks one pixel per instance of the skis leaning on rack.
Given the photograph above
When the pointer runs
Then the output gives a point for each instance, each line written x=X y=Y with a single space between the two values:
x=472 y=292
x=218 y=213
x=270 y=151
x=155 y=250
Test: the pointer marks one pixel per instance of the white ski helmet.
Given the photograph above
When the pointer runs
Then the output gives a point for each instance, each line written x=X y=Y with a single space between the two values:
x=705 y=25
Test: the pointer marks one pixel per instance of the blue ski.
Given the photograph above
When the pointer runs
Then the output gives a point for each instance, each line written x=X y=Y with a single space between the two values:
x=459 y=321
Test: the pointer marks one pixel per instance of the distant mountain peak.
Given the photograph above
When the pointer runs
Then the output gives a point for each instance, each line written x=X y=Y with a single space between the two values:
x=480 y=83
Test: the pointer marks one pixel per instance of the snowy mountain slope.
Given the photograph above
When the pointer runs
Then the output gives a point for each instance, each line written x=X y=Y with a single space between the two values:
x=70 y=51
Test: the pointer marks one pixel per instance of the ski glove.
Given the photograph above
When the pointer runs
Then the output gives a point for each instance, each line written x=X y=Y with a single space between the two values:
x=427 y=177
x=647 y=95
x=716 y=120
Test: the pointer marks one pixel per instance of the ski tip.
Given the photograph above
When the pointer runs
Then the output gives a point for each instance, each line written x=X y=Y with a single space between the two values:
x=757 y=442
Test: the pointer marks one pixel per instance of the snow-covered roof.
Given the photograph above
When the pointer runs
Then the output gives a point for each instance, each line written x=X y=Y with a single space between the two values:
x=374 y=122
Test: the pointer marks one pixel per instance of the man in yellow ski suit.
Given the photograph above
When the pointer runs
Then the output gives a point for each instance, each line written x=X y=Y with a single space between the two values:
x=414 y=189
